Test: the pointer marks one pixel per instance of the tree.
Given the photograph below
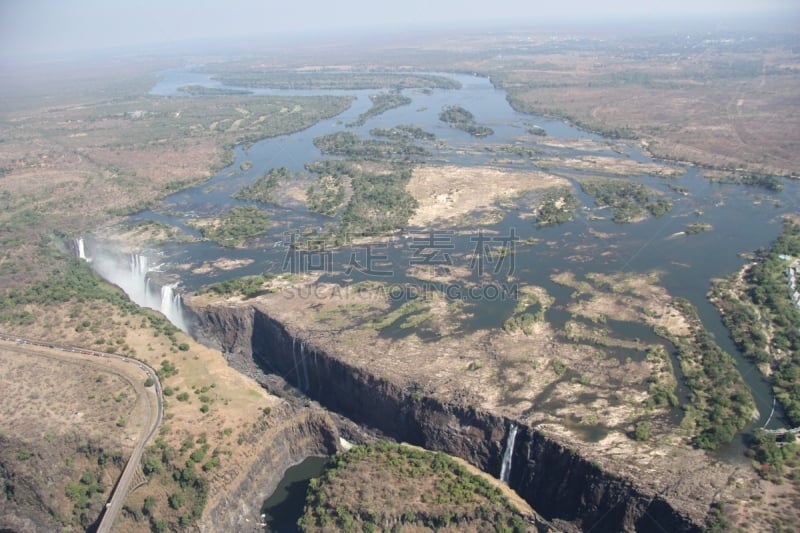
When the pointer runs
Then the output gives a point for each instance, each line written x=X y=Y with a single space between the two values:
x=642 y=431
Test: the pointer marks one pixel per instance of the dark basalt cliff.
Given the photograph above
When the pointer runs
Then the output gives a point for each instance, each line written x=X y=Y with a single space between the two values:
x=556 y=481
x=297 y=434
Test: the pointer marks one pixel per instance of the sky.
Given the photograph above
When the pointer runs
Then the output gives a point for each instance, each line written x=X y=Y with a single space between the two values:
x=53 y=26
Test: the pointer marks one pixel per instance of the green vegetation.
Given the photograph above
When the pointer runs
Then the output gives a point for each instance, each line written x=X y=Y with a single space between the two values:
x=719 y=404
x=629 y=199
x=236 y=226
x=460 y=118
x=201 y=90
x=764 y=181
x=331 y=80
x=519 y=103
x=409 y=315
x=327 y=195
x=403 y=133
x=176 y=469
x=762 y=319
x=378 y=201
x=772 y=456
x=247 y=286
x=557 y=206
x=538 y=131
x=346 y=143
x=23 y=454
x=263 y=189
x=358 y=492
x=81 y=492
x=642 y=431
x=662 y=379
x=381 y=103
x=71 y=280
x=528 y=310
x=697 y=227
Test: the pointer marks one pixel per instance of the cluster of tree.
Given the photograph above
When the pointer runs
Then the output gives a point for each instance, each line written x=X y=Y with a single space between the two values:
x=349 y=144
x=767 y=300
x=558 y=206
x=523 y=106
x=403 y=132
x=82 y=494
x=238 y=225
x=772 y=456
x=370 y=203
x=460 y=118
x=379 y=203
x=73 y=281
x=201 y=90
x=719 y=402
x=538 y=131
x=381 y=103
x=629 y=199
x=263 y=189
x=188 y=499
x=697 y=227
x=765 y=181
x=443 y=494
x=247 y=286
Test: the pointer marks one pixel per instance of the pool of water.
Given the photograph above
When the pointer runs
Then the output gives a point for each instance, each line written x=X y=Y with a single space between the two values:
x=285 y=506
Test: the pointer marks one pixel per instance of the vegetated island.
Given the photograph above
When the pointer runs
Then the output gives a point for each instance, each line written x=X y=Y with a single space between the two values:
x=326 y=80
x=347 y=143
x=381 y=103
x=236 y=226
x=462 y=119
x=263 y=189
x=403 y=132
x=631 y=201
x=201 y=90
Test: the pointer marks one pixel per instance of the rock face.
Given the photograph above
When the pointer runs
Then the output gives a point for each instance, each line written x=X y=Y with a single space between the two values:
x=298 y=434
x=556 y=481
x=22 y=508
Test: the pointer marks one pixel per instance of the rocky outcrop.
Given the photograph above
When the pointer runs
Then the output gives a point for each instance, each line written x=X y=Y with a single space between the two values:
x=294 y=436
x=557 y=482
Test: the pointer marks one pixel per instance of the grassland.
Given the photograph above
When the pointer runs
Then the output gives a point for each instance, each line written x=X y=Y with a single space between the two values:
x=76 y=162
x=57 y=475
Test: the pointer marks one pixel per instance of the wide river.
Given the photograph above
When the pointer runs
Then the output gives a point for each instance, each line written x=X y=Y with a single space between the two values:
x=743 y=218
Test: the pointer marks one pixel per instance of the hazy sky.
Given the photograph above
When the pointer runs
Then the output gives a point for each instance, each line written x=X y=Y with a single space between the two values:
x=41 y=26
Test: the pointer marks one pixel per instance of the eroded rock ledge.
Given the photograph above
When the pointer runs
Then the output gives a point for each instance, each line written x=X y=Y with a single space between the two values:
x=558 y=481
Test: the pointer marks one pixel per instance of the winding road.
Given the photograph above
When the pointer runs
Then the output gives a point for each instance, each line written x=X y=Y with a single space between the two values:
x=156 y=411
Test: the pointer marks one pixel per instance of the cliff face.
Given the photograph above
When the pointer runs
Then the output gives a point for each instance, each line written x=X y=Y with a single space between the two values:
x=298 y=434
x=555 y=480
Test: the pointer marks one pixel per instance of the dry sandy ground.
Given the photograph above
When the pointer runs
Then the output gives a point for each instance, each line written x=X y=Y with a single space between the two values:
x=236 y=400
x=447 y=193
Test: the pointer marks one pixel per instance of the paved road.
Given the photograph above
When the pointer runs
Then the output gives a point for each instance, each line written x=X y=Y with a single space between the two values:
x=114 y=506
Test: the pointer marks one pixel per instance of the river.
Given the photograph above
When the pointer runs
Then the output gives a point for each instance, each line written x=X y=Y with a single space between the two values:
x=743 y=218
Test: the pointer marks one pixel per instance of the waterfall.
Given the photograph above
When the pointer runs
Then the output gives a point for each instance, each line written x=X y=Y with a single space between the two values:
x=303 y=362
x=508 y=454
x=296 y=366
x=81 y=249
x=135 y=279
x=172 y=305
